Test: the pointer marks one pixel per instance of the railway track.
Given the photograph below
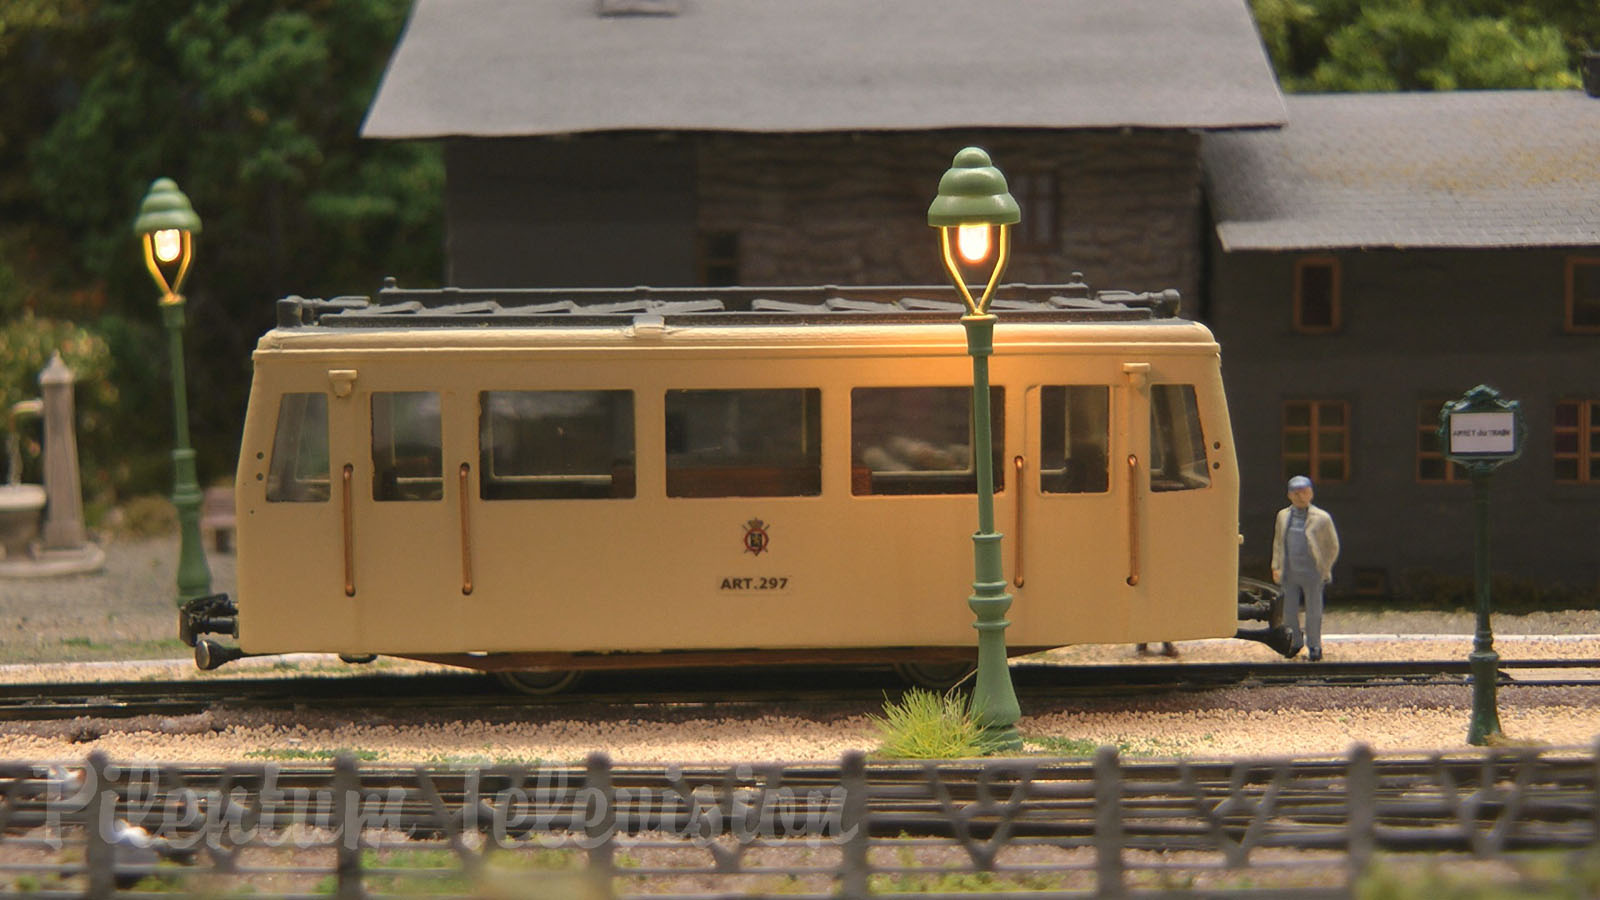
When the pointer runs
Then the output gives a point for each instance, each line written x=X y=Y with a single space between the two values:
x=455 y=692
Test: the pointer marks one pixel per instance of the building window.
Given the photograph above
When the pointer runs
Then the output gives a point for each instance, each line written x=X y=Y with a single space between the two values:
x=1432 y=467
x=1036 y=193
x=1583 y=295
x=1577 y=441
x=1316 y=295
x=718 y=262
x=1316 y=440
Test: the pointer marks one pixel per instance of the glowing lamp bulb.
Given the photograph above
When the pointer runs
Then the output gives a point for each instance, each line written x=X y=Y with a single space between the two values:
x=169 y=243
x=972 y=242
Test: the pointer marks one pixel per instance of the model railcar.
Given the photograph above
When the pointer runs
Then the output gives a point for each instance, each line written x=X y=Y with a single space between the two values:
x=539 y=481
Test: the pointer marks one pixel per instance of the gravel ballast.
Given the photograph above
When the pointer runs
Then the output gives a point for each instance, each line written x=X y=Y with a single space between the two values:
x=132 y=603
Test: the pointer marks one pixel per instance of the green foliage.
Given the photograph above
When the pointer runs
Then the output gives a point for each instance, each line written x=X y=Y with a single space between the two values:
x=26 y=345
x=926 y=725
x=1557 y=875
x=255 y=109
x=1410 y=45
x=1064 y=746
x=146 y=516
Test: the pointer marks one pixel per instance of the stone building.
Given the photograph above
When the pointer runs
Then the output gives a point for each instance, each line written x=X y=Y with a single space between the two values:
x=1383 y=253
x=681 y=142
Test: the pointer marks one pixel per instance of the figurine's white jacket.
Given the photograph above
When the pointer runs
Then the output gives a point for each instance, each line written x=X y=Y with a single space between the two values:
x=1321 y=536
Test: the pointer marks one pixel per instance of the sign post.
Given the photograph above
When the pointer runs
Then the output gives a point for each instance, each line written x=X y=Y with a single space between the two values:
x=1481 y=432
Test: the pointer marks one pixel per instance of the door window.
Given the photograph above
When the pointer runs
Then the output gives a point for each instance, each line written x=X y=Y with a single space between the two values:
x=407 y=449
x=298 y=472
x=1075 y=439
x=1177 y=443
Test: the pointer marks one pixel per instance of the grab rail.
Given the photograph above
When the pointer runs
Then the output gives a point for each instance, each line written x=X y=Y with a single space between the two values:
x=349 y=535
x=1016 y=572
x=466 y=533
x=1133 y=520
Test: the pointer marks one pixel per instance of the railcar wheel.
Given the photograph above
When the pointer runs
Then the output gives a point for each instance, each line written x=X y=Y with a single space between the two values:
x=540 y=682
x=936 y=676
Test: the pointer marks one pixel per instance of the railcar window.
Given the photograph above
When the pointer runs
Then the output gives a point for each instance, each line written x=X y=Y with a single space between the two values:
x=555 y=445
x=1177 y=443
x=1075 y=437
x=407 y=450
x=298 y=472
x=918 y=440
x=744 y=443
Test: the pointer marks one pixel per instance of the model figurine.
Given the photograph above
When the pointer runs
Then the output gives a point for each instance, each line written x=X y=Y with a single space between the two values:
x=1304 y=547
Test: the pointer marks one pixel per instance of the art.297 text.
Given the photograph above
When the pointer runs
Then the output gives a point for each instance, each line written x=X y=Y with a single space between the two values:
x=762 y=583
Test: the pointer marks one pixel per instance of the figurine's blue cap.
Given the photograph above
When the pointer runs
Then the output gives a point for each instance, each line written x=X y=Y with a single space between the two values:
x=1298 y=482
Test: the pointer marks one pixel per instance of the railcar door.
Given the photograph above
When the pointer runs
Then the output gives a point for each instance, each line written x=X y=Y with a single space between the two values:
x=403 y=479
x=1066 y=568
x=1181 y=506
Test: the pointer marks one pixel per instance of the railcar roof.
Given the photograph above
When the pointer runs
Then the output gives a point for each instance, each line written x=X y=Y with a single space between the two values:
x=451 y=308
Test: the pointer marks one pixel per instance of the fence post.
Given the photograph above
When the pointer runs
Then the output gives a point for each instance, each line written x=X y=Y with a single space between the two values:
x=600 y=822
x=1108 y=833
x=99 y=856
x=347 y=827
x=1594 y=788
x=854 y=829
x=1360 y=811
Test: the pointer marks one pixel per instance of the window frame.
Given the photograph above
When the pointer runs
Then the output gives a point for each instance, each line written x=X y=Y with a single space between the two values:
x=1335 y=290
x=616 y=482
x=864 y=477
x=1038 y=192
x=1313 y=429
x=711 y=258
x=1587 y=452
x=1428 y=429
x=1570 y=305
x=695 y=475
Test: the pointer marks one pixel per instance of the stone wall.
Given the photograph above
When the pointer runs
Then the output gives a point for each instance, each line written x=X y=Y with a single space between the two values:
x=851 y=208
x=811 y=208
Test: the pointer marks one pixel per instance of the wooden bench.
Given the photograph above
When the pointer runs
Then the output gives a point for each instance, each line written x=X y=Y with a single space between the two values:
x=216 y=517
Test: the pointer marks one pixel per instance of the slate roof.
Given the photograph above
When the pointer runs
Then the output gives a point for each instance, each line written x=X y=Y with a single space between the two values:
x=1426 y=170
x=539 y=67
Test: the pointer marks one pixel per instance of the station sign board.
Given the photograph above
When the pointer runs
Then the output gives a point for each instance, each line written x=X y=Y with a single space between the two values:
x=1481 y=430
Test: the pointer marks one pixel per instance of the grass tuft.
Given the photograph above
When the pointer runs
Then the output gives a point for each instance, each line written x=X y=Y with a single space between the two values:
x=926 y=725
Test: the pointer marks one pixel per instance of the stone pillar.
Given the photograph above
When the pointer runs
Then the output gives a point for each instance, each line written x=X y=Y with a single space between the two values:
x=63 y=518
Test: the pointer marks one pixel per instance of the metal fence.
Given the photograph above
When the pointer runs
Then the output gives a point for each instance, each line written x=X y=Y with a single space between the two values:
x=1103 y=828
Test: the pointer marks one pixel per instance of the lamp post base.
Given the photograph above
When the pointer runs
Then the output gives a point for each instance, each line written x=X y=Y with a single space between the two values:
x=194 y=574
x=1485 y=711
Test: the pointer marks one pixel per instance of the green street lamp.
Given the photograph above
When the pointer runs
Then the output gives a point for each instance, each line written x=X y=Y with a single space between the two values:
x=166 y=226
x=1482 y=431
x=976 y=206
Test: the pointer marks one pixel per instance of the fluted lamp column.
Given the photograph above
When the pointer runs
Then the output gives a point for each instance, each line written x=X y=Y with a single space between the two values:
x=166 y=226
x=974 y=212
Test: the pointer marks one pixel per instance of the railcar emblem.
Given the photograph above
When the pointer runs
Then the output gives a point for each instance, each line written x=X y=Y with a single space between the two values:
x=755 y=537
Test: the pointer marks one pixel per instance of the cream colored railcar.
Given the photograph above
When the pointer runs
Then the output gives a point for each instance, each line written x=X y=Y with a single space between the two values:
x=523 y=479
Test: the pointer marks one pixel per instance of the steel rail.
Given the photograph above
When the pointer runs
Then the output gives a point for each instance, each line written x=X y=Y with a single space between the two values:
x=677 y=688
